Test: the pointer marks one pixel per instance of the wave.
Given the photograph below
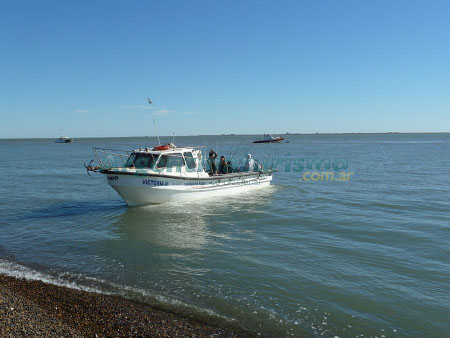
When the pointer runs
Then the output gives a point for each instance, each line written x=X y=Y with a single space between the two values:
x=100 y=286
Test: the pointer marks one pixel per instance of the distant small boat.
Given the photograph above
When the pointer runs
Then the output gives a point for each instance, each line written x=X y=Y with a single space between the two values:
x=64 y=139
x=269 y=139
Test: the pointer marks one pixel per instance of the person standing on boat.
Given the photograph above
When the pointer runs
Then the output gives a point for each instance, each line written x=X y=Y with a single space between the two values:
x=251 y=164
x=223 y=166
x=212 y=161
x=229 y=167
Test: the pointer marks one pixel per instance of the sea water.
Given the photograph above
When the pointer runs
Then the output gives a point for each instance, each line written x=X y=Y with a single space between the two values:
x=352 y=238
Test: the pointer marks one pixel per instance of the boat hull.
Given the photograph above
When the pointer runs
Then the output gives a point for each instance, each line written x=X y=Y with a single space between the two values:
x=139 y=190
x=276 y=140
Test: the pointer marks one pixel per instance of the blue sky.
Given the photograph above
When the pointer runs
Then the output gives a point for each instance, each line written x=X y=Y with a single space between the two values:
x=214 y=67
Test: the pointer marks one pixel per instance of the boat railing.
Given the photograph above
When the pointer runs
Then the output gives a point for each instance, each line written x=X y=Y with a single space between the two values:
x=111 y=158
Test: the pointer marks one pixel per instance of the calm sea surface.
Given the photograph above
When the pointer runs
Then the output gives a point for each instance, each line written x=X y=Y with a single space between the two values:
x=368 y=256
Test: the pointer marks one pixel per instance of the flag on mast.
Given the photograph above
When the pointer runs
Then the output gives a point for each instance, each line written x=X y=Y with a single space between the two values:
x=153 y=117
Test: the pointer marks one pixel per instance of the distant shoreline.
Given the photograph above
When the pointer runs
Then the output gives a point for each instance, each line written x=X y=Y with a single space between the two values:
x=35 y=308
x=256 y=135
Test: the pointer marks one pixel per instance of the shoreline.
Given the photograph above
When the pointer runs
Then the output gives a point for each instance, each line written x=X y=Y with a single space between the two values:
x=35 y=308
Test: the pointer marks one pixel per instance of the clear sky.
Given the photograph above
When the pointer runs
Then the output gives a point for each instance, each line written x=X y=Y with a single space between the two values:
x=214 y=67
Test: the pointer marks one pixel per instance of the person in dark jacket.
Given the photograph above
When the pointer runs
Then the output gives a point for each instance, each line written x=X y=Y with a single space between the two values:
x=223 y=166
x=229 y=167
x=212 y=162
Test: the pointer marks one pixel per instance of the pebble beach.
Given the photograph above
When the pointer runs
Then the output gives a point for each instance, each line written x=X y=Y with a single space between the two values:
x=34 y=308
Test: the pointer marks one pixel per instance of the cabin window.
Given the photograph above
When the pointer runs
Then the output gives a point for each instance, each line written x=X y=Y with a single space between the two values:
x=141 y=160
x=162 y=163
x=190 y=162
x=175 y=161
x=171 y=161
x=131 y=160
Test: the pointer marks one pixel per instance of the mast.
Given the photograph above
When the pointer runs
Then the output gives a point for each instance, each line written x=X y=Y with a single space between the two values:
x=153 y=117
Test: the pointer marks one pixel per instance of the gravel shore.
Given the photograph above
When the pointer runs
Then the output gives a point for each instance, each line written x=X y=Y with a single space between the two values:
x=34 y=308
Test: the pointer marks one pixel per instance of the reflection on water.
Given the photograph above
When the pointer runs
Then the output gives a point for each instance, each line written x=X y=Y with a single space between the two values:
x=185 y=225
x=179 y=226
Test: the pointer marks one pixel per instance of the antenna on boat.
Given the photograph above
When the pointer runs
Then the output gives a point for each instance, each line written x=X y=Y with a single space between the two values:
x=173 y=137
x=154 y=122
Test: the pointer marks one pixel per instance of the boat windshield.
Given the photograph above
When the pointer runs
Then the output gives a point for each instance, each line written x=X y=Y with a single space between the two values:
x=139 y=160
x=172 y=161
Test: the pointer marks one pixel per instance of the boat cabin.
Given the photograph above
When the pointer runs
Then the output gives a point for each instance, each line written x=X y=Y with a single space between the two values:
x=174 y=160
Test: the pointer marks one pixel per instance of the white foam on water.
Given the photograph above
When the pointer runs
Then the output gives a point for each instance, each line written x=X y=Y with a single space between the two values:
x=74 y=281
x=20 y=271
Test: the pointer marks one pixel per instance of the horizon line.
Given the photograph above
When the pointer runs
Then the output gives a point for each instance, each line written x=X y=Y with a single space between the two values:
x=312 y=134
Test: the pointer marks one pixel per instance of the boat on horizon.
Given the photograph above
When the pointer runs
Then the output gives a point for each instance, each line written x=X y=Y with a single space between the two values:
x=172 y=174
x=64 y=138
x=268 y=138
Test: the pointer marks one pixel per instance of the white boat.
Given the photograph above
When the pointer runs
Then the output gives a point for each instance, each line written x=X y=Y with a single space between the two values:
x=171 y=174
x=64 y=139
